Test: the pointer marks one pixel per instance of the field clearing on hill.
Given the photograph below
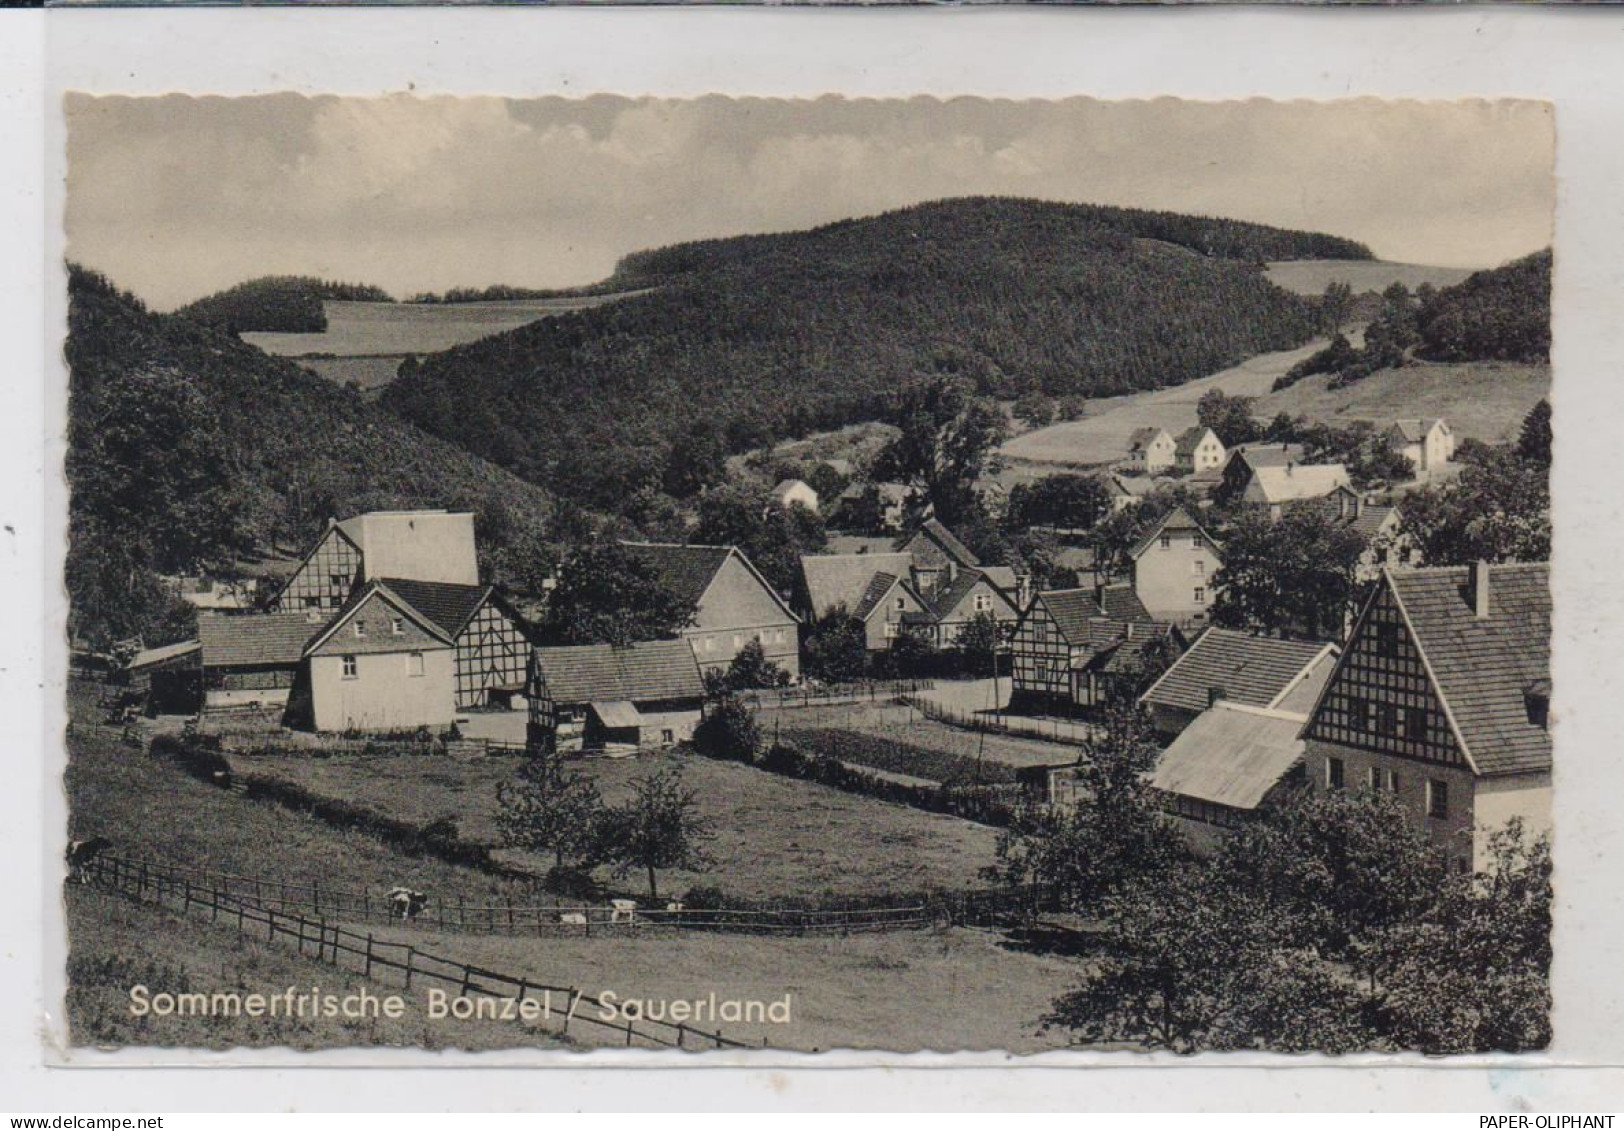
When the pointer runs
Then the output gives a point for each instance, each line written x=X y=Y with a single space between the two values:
x=1486 y=400
x=369 y=372
x=954 y=989
x=1102 y=436
x=1312 y=276
x=776 y=838
x=378 y=329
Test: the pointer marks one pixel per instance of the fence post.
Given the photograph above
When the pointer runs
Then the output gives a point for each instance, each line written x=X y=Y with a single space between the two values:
x=143 y=882
x=368 y=973
x=411 y=953
x=315 y=896
x=270 y=924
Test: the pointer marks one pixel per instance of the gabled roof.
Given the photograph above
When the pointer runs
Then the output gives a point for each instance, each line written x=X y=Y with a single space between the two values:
x=1133 y=486
x=944 y=538
x=1002 y=577
x=1191 y=438
x=1231 y=755
x=949 y=596
x=1178 y=519
x=683 y=571
x=1367 y=522
x=450 y=607
x=389 y=597
x=152 y=657
x=844 y=579
x=1484 y=668
x=1142 y=438
x=1255 y=670
x=304 y=559
x=785 y=486
x=1120 y=602
x=687 y=571
x=1299 y=481
x=1261 y=454
x=253 y=639
x=1071 y=610
x=878 y=586
x=1414 y=431
x=592 y=673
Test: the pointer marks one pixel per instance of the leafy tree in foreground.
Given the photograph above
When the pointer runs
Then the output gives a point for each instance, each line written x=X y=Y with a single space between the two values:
x=1499 y=510
x=752 y=671
x=659 y=828
x=1072 y=502
x=548 y=808
x=1229 y=417
x=608 y=596
x=978 y=641
x=836 y=648
x=1294 y=575
x=1085 y=852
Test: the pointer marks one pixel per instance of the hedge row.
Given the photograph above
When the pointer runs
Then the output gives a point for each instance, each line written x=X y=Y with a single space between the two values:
x=884 y=753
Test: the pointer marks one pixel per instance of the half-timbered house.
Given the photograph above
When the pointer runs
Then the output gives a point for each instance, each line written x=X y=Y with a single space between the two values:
x=644 y=694
x=422 y=545
x=492 y=644
x=1442 y=697
x=1069 y=653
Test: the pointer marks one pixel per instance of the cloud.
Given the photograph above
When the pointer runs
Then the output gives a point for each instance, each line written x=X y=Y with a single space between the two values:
x=175 y=197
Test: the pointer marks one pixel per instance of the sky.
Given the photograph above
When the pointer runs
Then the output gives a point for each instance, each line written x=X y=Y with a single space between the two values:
x=177 y=197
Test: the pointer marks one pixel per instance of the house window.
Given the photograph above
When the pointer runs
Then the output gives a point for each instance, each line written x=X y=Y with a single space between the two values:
x=349 y=667
x=1375 y=779
x=902 y=603
x=1438 y=799
x=1198 y=542
x=1387 y=640
x=1392 y=781
x=1389 y=721
x=668 y=736
x=414 y=663
x=338 y=580
x=1415 y=724
x=333 y=600
x=892 y=629
x=397 y=626
x=983 y=603
x=1167 y=541
x=360 y=627
x=1358 y=713
x=1198 y=567
x=1200 y=595
x=312 y=602
x=1334 y=771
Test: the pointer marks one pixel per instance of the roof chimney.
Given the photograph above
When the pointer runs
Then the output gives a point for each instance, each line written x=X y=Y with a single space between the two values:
x=1215 y=693
x=1480 y=589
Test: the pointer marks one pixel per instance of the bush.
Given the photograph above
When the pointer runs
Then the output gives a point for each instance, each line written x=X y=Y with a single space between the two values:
x=728 y=731
x=986 y=804
x=198 y=756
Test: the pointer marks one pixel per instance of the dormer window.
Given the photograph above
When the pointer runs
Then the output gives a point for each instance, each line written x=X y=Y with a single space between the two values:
x=1537 y=702
x=397 y=627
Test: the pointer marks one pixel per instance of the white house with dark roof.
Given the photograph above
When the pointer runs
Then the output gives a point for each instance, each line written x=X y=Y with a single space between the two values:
x=1278 y=487
x=795 y=492
x=1151 y=450
x=1442 y=697
x=1429 y=445
x=1254 y=671
x=1198 y=449
x=380 y=665
x=735 y=605
x=1173 y=567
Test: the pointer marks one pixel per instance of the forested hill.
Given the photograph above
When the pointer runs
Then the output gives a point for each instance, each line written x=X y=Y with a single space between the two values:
x=289 y=304
x=186 y=446
x=779 y=335
x=1502 y=314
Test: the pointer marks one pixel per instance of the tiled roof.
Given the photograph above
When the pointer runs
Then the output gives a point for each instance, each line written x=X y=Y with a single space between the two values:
x=1189 y=438
x=1072 y=609
x=683 y=571
x=253 y=639
x=1299 y=481
x=1178 y=519
x=1133 y=486
x=1230 y=755
x=450 y=607
x=1414 y=431
x=1120 y=602
x=1484 y=668
x=1269 y=455
x=1255 y=670
x=1143 y=437
x=617 y=714
x=843 y=579
x=591 y=673
x=944 y=538
x=878 y=586
x=1002 y=577
x=1367 y=523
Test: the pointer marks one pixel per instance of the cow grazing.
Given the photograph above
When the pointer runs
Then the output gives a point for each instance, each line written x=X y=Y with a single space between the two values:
x=80 y=855
x=406 y=904
x=573 y=918
x=625 y=911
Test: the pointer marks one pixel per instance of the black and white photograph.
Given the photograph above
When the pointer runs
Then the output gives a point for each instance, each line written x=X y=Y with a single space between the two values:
x=721 y=574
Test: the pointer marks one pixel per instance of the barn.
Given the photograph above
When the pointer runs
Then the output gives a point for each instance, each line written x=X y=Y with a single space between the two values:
x=596 y=695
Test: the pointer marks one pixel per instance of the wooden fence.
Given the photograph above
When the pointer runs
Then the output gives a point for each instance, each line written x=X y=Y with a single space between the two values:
x=788 y=698
x=556 y=918
x=378 y=960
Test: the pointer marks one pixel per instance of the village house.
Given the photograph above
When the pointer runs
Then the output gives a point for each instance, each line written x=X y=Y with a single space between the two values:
x=929 y=584
x=795 y=492
x=1198 y=449
x=421 y=545
x=1275 y=488
x=1173 y=567
x=492 y=644
x=1243 y=460
x=1233 y=764
x=876 y=507
x=596 y=696
x=734 y=603
x=1378 y=526
x=250 y=660
x=1429 y=445
x=1255 y=671
x=379 y=665
x=1128 y=490
x=167 y=678
x=1151 y=450
x=1442 y=698
x=1069 y=653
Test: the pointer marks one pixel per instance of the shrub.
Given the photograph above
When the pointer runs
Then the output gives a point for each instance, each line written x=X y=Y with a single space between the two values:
x=728 y=731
